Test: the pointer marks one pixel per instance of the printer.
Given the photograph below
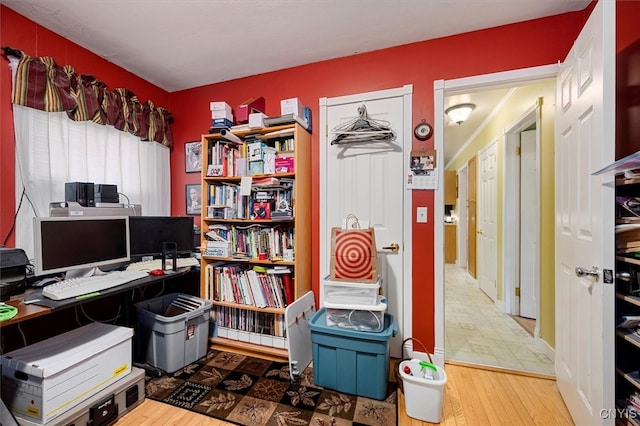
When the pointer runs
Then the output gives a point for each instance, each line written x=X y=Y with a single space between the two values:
x=13 y=272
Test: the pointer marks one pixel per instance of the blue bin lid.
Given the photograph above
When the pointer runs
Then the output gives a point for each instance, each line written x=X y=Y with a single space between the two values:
x=318 y=323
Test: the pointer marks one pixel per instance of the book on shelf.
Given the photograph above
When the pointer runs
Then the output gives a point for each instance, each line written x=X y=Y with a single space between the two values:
x=251 y=286
x=629 y=204
x=255 y=322
x=628 y=321
x=282 y=277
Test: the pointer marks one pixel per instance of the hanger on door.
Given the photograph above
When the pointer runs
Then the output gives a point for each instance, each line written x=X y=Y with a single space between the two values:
x=363 y=129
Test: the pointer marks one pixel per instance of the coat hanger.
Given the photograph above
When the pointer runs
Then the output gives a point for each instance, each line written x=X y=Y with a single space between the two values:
x=363 y=129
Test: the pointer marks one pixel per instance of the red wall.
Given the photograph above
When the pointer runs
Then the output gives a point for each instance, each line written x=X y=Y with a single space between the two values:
x=533 y=43
x=528 y=44
x=627 y=28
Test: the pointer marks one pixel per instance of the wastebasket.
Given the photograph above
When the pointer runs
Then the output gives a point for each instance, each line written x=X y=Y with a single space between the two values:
x=173 y=330
x=423 y=386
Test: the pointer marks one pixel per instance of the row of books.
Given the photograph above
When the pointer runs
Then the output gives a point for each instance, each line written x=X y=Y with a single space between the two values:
x=631 y=404
x=627 y=237
x=226 y=158
x=224 y=155
x=252 y=286
x=256 y=322
x=253 y=240
x=225 y=201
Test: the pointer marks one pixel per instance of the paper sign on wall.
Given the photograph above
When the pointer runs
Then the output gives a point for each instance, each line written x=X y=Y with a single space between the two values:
x=423 y=170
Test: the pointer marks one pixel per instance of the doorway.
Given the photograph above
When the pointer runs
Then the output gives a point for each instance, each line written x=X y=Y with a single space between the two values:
x=526 y=352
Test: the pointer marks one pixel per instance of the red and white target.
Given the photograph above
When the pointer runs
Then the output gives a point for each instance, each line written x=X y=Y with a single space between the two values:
x=354 y=255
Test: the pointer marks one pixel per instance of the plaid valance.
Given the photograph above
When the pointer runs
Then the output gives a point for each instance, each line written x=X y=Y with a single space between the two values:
x=42 y=84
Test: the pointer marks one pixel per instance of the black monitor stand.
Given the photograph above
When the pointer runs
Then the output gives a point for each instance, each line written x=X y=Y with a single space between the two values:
x=169 y=250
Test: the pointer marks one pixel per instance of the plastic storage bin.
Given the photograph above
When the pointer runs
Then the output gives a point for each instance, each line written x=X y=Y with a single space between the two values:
x=357 y=317
x=173 y=330
x=423 y=390
x=350 y=293
x=351 y=361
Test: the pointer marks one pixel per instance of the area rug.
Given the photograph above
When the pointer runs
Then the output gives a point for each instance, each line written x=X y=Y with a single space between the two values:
x=253 y=391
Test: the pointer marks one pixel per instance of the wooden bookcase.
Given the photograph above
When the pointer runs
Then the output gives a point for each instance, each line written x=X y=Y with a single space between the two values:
x=627 y=302
x=246 y=326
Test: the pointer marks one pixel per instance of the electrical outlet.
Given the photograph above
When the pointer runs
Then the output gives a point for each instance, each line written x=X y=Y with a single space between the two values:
x=422 y=215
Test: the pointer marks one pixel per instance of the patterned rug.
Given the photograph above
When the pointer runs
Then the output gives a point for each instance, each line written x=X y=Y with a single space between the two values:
x=253 y=391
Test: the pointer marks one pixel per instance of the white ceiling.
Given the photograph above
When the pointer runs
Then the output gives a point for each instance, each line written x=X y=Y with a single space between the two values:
x=180 y=44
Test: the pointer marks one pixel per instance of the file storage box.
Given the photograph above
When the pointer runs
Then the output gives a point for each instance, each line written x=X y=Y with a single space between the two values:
x=350 y=293
x=173 y=330
x=42 y=381
x=357 y=317
x=351 y=361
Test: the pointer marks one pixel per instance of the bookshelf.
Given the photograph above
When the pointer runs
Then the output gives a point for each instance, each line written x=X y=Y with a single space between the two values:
x=627 y=290
x=256 y=233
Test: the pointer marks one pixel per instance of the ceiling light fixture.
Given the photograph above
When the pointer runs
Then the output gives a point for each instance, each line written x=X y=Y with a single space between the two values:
x=459 y=113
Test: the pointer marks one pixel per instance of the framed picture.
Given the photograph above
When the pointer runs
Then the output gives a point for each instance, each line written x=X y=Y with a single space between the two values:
x=193 y=200
x=193 y=156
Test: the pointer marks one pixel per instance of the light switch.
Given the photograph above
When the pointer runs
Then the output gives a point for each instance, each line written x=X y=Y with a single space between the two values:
x=422 y=215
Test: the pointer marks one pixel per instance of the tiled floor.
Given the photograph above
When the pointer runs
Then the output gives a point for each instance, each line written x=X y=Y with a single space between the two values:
x=476 y=331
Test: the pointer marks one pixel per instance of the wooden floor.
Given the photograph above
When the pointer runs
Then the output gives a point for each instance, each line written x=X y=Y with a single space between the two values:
x=527 y=323
x=473 y=397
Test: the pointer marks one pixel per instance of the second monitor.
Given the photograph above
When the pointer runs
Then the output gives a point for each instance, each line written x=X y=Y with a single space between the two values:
x=148 y=233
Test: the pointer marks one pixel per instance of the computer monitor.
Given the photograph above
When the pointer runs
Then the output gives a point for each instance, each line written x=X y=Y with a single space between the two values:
x=77 y=245
x=147 y=233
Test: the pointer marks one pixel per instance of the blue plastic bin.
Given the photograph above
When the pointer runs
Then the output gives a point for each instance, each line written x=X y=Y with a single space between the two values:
x=351 y=361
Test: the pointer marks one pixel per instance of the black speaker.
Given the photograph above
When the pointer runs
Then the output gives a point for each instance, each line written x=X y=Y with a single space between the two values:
x=105 y=193
x=80 y=192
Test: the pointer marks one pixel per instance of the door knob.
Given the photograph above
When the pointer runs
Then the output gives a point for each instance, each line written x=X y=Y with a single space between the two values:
x=584 y=272
x=394 y=247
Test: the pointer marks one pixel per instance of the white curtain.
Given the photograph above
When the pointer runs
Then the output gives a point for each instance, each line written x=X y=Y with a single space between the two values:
x=51 y=150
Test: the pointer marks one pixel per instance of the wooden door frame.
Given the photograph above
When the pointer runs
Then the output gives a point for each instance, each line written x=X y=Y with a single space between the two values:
x=444 y=88
x=472 y=218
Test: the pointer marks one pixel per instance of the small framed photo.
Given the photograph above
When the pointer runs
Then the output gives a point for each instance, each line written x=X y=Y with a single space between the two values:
x=193 y=156
x=193 y=199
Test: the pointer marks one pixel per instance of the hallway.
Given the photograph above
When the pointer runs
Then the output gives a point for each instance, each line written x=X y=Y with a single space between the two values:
x=477 y=332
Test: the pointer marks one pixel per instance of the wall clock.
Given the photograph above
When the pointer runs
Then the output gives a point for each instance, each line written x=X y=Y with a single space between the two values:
x=423 y=131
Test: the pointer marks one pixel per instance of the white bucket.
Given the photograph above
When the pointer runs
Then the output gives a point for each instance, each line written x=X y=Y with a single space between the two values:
x=423 y=390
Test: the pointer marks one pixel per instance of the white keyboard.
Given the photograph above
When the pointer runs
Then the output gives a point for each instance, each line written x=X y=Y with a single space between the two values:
x=86 y=286
x=149 y=265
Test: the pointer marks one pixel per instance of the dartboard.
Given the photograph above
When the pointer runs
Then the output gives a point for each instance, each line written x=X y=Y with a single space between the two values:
x=354 y=256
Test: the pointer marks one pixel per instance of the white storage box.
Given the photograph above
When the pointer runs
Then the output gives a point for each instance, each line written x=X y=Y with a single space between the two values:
x=357 y=317
x=219 y=106
x=291 y=106
x=350 y=293
x=218 y=249
x=43 y=380
x=217 y=114
x=256 y=120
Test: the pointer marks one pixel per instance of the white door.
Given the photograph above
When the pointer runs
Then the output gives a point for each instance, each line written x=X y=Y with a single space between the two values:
x=528 y=225
x=585 y=142
x=487 y=220
x=366 y=179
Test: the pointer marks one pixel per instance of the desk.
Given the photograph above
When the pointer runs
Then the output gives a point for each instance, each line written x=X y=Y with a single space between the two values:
x=28 y=311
